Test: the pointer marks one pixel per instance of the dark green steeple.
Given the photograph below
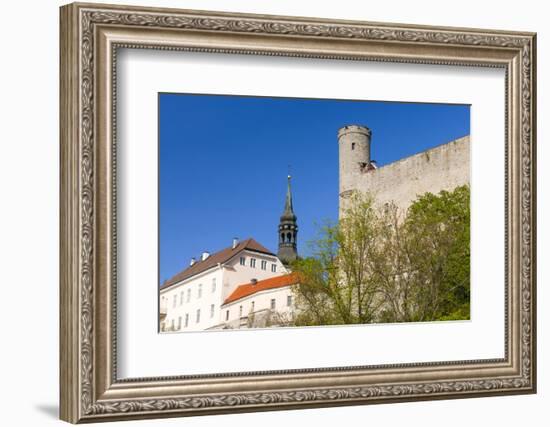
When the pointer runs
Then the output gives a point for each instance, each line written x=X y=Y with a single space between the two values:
x=288 y=230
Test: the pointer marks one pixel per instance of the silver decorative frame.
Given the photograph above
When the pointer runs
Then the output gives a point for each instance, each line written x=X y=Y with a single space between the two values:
x=90 y=36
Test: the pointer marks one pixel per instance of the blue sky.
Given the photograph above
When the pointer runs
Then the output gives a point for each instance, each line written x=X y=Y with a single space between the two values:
x=224 y=161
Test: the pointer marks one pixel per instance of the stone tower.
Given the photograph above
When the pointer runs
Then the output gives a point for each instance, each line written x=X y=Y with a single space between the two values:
x=354 y=157
x=288 y=231
x=443 y=167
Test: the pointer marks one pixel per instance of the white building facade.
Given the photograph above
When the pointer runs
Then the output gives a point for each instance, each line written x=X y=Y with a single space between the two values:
x=261 y=304
x=192 y=300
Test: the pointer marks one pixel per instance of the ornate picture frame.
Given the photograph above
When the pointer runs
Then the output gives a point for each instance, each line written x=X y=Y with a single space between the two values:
x=90 y=37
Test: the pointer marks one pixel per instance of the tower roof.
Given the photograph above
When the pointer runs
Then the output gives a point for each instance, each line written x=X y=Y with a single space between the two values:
x=288 y=230
x=288 y=213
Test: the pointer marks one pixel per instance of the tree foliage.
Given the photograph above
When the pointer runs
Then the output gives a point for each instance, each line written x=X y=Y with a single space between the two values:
x=379 y=264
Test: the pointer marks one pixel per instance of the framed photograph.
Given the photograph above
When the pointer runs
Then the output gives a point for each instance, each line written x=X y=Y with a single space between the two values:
x=267 y=212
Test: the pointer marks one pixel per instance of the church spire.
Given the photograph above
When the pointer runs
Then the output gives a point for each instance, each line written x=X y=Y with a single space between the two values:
x=288 y=230
x=289 y=212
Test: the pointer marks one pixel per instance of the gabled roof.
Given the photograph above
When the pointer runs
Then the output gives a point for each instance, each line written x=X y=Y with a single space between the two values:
x=248 y=289
x=219 y=257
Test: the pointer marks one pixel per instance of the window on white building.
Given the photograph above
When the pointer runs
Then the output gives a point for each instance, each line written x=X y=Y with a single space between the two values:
x=211 y=311
x=179 y=323
x=243 y=260
x=181 y=297
x=273 y=268
x=226 y=315
x=199 y=292
x=172 y=325
x=240 y=311
x=289 y=300
x=175 y=300
x=264 y=265
x=272 y=303
x=188 y=294
x=198 y=315
x=186 y=320
x=252 y=306
x=253 y=262
x=213 y=285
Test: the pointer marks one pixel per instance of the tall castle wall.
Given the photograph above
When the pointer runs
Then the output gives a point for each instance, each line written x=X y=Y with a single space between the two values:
x=441 y=168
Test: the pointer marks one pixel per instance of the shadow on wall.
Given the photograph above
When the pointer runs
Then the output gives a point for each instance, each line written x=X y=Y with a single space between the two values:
x=50 y=410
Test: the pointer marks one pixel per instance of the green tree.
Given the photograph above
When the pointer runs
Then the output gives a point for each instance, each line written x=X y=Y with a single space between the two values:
x=438 y=230
x=335 y=286
x=379 y=264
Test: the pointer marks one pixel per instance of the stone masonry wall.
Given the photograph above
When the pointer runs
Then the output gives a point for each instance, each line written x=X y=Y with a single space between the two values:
x=441 y=168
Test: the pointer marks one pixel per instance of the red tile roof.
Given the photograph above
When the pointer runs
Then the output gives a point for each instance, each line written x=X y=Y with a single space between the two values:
x=251 y=288
x=219 y=257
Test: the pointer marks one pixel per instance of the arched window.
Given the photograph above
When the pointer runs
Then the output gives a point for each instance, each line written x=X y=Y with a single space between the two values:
x=282 y=237
x=289 y=237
